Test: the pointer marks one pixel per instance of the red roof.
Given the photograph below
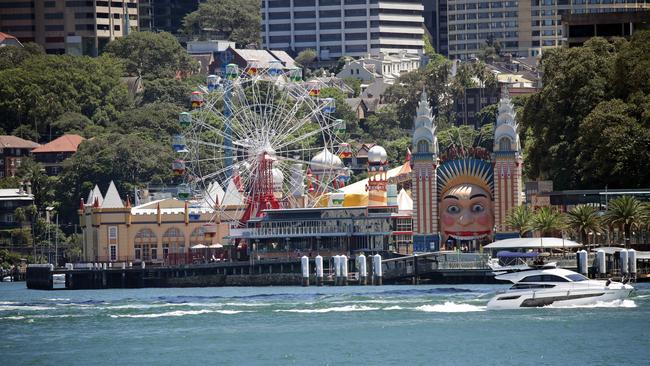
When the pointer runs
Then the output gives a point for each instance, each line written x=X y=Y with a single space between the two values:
x=65 y=143
x=4 y=36
x=15 y=142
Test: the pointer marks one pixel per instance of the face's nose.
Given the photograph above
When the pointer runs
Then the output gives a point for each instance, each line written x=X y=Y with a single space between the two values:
x=465 y=219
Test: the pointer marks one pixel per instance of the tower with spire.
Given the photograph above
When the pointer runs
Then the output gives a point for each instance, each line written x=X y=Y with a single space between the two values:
x=507 y=165
x=424 y=165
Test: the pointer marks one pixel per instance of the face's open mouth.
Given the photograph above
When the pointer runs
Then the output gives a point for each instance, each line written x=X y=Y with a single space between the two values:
x=467 y=235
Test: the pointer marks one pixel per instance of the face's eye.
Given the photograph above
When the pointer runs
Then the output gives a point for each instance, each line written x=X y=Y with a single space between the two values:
x=453 y=209
x=476 y=208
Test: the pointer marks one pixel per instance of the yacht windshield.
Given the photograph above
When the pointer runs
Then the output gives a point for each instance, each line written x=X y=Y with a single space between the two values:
x=577 y=277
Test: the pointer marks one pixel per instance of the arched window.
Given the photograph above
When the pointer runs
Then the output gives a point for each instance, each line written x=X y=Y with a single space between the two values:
x=145 y=234
x=504 y=144
x=173 y=234
x=423 y=146
x=198 y=235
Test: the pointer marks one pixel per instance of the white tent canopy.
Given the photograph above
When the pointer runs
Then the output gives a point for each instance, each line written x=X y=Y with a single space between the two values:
x=216 y=246
x=199 y=246
x=533 y=243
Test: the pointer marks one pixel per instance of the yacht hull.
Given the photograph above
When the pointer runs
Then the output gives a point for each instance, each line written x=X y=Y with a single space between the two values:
x=572 y=297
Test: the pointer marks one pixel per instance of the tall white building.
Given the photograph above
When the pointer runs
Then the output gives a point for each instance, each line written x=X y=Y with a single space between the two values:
x=522 y=27
x=343 y=27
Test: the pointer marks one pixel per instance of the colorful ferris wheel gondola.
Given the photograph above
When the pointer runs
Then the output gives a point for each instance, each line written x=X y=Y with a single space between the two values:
x=197 y=99
x=185 y=119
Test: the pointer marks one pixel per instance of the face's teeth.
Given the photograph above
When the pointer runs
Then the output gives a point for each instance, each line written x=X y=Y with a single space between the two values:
x=458 y=237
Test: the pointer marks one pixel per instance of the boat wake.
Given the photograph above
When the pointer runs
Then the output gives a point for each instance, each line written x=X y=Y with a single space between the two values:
x=341 y=309
x=178 y=313
x=450 y=307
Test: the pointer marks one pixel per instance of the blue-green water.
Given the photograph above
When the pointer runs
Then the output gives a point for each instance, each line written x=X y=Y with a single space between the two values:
x=390 y=325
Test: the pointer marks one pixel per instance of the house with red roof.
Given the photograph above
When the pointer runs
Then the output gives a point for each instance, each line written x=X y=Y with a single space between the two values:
x=52 y=154
x=9 y=40
x=13 y=150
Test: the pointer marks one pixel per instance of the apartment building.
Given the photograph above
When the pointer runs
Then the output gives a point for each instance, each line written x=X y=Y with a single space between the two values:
x=72 y=27
x=343 y=27
x=522 y=27
x=165 y=15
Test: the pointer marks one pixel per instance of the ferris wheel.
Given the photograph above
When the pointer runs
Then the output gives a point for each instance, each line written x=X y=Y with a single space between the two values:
x=258 y=138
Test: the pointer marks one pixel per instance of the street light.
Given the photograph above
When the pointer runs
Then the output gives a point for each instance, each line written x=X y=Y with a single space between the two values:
x=48 y=210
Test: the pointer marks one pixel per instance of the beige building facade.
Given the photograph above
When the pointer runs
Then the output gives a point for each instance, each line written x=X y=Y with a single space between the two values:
x=160 y=232
x=70 y=27
x=522 y=27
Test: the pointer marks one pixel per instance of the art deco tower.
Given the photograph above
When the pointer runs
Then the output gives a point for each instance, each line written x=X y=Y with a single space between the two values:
x=507 y=164
x=424 y=161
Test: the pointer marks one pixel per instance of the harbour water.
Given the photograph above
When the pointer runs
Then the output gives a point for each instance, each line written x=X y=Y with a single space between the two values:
x=388 y=325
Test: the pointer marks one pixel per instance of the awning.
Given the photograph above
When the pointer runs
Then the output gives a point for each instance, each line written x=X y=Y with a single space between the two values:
x=216 y=246
x=507 y=254
x=533 y=243
x=199 y=246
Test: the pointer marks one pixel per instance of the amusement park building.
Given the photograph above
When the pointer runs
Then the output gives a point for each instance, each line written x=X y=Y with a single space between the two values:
x=71 y=27
x=159 y=232
x=343 y=27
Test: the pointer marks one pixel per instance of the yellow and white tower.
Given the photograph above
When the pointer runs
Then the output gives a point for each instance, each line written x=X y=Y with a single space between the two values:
x=507 y=165
x=424 y=164
x=377 y=178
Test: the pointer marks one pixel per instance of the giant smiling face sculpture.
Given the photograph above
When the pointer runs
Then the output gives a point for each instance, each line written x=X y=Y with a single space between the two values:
x=466 y=213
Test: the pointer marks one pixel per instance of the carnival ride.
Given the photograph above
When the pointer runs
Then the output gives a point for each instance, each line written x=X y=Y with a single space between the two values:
x=255 y=139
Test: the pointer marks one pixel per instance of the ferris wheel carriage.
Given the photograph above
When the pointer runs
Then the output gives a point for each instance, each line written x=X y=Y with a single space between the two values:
x=184 y=119
x=212 y=82
x=197 y=99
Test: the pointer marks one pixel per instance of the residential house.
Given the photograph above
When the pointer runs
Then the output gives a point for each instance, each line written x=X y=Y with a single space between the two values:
x=52 y=154
x=10 y=200
x=12 y=152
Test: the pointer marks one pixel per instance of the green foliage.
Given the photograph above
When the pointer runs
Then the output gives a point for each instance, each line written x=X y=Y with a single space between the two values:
x=583 y=219
x=588 y=127
x=520 y=219
x=11 y=56
x=157 y=120
x=547 y=221
x=8 y=259
x=383 y=125
x=405 y=92
x=151 y=55
x=343 y=110
x=42 y=185
x=238 y=21
x=42 y=88
x=306 y=57
x=626 y=212
x=130 y=160
x=354 y=83
x=167 y=91
x=71 y=122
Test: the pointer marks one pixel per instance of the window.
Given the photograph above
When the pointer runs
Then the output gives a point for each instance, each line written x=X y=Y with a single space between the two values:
x=112 y=233
x=138 y=252
x=423 y=146
x=113 y=253
x=54 y=16
x=301 y=26
x=154 y=253
x=355 y=12
x=544 y=278
x=577 y=277
x=504 y=144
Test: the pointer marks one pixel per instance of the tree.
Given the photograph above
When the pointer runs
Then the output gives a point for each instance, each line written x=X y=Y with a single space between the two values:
x=158 y=121
x=614 y=144
x=130 y=160
x=354 y=83
x=383 y=125
x=42 y=88
x=238 y=21
x=583 y=219
x=306 y=57
x=626 y=212
x=42 y=185
x=547 y=221
x=152 y=55
x=71 y=122
x=575 y=80
x=520 y=219
x=167 y=90
x=11 y=56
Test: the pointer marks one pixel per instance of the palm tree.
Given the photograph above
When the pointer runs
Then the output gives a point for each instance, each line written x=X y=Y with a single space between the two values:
x=625 y=211
x=547 y=221
x=582 y=219
x=520 y=219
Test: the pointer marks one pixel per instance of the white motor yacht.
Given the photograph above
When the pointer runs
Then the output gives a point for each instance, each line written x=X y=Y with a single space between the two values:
x=555 y=286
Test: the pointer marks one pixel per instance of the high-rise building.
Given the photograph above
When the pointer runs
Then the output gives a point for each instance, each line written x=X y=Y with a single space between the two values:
x=165 y=15
x=435 y=20
x=73 y=27
x=521 y=27
x=343 y=27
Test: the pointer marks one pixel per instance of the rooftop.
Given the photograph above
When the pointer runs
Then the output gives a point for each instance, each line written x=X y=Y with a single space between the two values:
x=65 y=143
x=15 y=142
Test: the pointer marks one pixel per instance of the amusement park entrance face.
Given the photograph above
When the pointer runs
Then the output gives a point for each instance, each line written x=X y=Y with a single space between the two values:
x=466 y=213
